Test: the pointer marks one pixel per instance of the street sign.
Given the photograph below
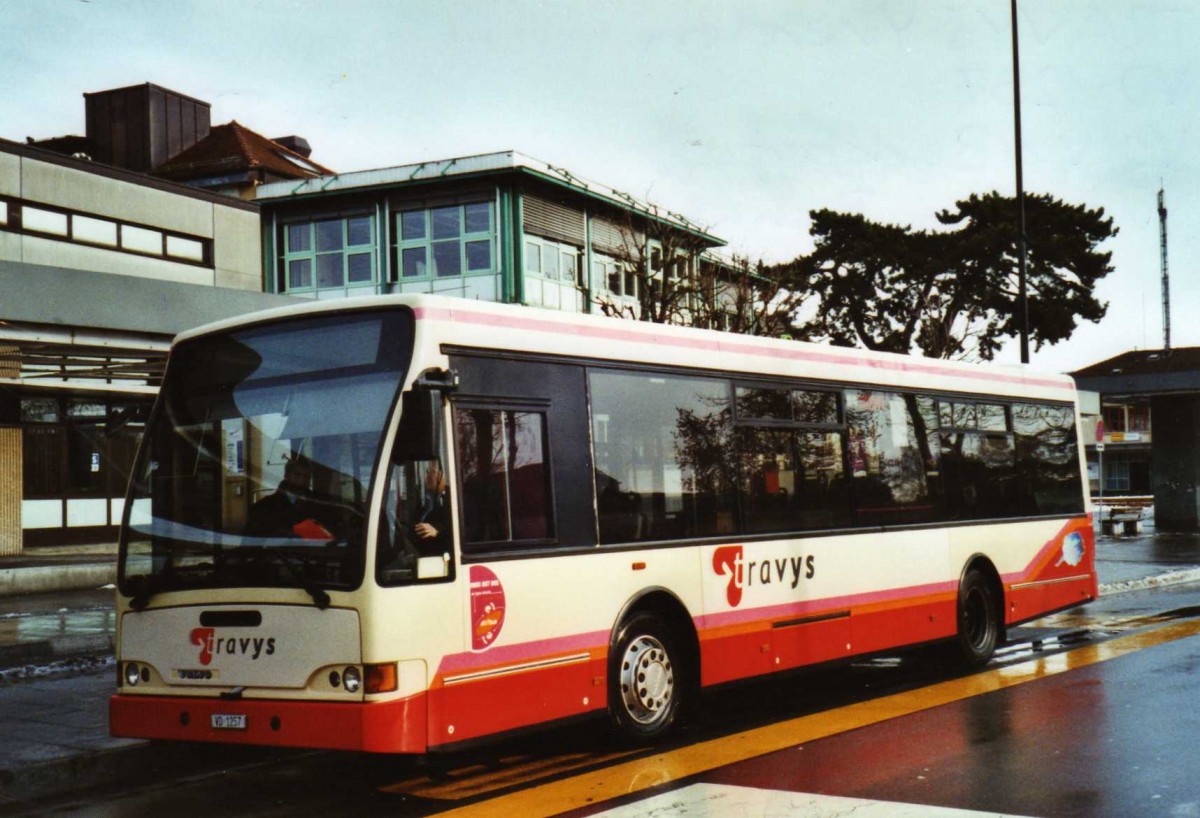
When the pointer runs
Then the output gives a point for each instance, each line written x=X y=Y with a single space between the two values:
x=1099 y=447
x=1100 y=430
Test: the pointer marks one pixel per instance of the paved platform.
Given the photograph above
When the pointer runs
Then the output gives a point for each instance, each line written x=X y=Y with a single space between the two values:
x=57 y=671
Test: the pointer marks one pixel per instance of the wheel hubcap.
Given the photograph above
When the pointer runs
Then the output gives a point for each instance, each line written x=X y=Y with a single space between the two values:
x=647 y=680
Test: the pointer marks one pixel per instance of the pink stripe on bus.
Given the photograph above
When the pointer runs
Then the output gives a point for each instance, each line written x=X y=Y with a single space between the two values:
x=731 y=346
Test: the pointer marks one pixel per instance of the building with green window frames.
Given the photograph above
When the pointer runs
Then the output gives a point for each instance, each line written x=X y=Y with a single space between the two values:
x=496 y=227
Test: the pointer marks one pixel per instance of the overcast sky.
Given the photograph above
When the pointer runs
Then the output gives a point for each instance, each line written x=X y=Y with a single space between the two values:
x=741 y=116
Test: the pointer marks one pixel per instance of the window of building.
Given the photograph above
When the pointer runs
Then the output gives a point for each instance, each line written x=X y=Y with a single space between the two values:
x=1114 y=418
x=97 y=231
x=329 y=254
x=554 y=261
x=441 y=242
x=1139 y=419
x=504 y=475
x=1116 y=475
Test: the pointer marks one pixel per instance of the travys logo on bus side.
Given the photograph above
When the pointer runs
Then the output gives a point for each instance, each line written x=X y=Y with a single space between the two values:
x=211 y=645
x=730 y=561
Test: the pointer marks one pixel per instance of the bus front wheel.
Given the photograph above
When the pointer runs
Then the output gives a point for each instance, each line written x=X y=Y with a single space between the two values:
x=646 y=679
x=978 y=619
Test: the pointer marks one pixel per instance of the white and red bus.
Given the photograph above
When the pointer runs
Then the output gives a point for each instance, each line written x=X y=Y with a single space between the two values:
x=401 y=524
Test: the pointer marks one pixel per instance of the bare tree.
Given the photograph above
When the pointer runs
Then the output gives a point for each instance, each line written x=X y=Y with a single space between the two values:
x=667 y=275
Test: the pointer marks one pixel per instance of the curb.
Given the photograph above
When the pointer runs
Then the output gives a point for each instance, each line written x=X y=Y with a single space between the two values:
x=74 y=646
x=49 y=578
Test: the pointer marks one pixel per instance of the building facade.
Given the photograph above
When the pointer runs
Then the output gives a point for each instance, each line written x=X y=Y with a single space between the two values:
x=496 y=227
x=100 y=267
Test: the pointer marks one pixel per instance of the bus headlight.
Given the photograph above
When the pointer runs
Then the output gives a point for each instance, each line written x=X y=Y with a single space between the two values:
x=132 y=674
x=351 y=679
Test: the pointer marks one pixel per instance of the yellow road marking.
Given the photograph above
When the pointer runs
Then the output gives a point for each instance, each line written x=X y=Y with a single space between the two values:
x=651 y=771
x=480 y=779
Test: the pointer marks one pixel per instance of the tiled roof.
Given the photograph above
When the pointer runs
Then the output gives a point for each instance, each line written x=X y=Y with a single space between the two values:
x=233 y=148
x=1145 y=362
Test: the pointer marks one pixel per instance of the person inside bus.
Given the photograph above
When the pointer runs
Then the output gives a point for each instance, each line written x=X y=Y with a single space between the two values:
x=430 y=530
x=289 y=510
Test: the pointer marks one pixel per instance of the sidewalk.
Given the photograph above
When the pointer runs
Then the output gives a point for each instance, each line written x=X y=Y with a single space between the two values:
x=57 y=669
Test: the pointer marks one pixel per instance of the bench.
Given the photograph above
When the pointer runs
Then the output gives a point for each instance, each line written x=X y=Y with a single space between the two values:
x=1129 y=519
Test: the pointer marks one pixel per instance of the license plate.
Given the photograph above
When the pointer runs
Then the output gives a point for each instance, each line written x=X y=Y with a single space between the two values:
x=229 y=721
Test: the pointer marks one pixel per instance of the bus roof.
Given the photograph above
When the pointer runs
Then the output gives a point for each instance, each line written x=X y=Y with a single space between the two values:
x=505 y=327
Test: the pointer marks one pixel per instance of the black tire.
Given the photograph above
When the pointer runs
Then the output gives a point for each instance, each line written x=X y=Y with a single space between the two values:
x=978 y=620
x=647 y=679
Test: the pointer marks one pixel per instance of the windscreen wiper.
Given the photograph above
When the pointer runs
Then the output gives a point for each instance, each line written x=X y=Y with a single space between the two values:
x=319 y=597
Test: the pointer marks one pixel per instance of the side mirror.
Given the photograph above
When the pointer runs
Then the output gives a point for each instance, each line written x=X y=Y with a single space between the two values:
x=419 y=435
x=418 y=438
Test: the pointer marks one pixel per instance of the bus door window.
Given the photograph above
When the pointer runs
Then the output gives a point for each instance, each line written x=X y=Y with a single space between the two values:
x=416 y=537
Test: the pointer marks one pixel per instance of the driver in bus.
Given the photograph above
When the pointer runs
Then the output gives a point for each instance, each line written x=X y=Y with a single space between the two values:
x=431 y=529
x=288 y=511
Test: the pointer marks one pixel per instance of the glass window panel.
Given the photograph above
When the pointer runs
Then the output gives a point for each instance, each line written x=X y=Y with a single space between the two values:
x=446 y=222
x=359 y=267
x=44 y=221
x=86 y=409
x=447 y=258
x=299 y=238
x=978 y=472
x=478 y=217
x=533 y=257
x=766 y=404
x=528 y=475
x=991 y=418
x=96 y=231
x=567 y=264
x=815 y=407
x=329 y=235
x=479 y=255
x=329 y=270
x=550 y=263
x=413 y=262
x=39 y=410
x=189 y=249
x=42 y=461
x=1047 y=459
x=141 y=240
x=504 y=475
x=412 y=225
x=299 y=274
x=887 y=459
x=3 y=212
x=358 y=231
x=792 y=480
x=665 y=466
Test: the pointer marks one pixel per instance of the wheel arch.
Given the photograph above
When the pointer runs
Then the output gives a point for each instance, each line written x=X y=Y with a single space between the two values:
x=984 y=564
x=674 y=612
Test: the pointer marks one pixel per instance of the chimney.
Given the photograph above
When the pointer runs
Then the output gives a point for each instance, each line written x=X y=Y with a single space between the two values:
x=295 y=143
x=142 y=126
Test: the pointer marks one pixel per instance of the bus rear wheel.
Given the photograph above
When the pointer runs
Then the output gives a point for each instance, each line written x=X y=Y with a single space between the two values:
x=978 y=619
x=646 y=679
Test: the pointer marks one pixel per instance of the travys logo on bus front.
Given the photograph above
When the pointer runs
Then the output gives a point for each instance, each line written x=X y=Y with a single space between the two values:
x=211 y=644
x=730 y=561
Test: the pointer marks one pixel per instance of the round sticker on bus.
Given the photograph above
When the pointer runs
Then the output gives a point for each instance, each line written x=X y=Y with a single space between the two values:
x=487 y=607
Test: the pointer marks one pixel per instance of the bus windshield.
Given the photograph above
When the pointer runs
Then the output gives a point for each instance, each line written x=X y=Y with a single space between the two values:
x=256 y=468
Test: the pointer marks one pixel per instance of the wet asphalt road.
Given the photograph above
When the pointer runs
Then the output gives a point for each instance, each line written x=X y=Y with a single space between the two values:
x=1113 y=737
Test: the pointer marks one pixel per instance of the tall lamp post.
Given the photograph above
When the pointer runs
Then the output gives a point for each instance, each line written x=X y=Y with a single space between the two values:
x=1022 y=294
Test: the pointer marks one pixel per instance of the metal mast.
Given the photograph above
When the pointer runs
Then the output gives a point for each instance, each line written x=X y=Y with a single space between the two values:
x=1166 y=279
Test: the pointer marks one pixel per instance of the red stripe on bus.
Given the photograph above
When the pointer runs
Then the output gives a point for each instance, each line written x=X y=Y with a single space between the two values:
x=730 y=346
